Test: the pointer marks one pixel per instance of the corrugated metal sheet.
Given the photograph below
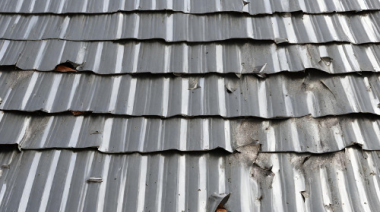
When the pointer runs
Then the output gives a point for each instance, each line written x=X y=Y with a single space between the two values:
x=227 y=96
x=188 y=6
x=121 y=135
x=157 y=57
x=115 y=134
x=90 y=181
x=299 y=28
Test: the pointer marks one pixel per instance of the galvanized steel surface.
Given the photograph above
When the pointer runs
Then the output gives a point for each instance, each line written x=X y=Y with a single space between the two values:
x=189 y=6
x=91 y=181
x=226 y=96
x=288 y=28
x=183 y=58
x=125 y=135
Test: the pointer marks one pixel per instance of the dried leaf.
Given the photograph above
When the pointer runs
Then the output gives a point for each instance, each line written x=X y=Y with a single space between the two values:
x=77 y=113
x=62 y=68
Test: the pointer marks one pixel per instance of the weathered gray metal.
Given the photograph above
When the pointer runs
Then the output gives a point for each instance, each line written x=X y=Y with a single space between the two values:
x=183 y=58
x=212 y=95
x=288 y=28
x=112 y=134
x=187 y=6
x=90 y=181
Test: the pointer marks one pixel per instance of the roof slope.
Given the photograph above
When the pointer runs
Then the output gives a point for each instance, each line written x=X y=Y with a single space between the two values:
x=188 y=106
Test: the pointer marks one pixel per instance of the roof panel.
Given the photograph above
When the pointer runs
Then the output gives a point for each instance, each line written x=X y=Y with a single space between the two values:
x=299 y=28
x=89 y=181
x=183 y=58
x=121 y=135
x=226 y=96
x=191 y=6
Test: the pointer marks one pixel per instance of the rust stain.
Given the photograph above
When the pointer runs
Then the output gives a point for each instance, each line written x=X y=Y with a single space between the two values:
x=62 y=68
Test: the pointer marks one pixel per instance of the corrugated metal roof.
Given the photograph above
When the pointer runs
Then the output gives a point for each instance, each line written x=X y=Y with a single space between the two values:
x=299 y=28
x=122 y=135
x=146 y=143
x=226 y=96
x=188 y=6
x=90 y=181
x=158 y=57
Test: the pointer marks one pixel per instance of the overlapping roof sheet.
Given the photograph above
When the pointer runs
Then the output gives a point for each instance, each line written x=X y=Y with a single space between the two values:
x=187 y=6
x=182 y=106
x=114 y=134
x=184 y=58
x=288 y=28
x=211 y=95
x=91 y=181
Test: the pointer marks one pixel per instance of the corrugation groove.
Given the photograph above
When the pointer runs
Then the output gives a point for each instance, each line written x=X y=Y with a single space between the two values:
x=288 y=28
x=189 y=6
x=343 y=181
x=157 y=57
x=227 y=96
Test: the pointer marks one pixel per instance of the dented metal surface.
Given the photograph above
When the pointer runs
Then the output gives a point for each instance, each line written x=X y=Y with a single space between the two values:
x=189 y=6
x=276 y=96
x=343 y=181
x=287 y=28
x=125 y=135
x=184 y=58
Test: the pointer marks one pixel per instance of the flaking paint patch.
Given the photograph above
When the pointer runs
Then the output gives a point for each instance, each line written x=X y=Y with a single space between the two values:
x=193 y=83
x=326 y=60
x=245 y=132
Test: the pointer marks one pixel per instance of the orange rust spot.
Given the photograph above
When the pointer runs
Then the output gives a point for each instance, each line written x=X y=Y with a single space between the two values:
x=77 y=113
x=62 y=68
